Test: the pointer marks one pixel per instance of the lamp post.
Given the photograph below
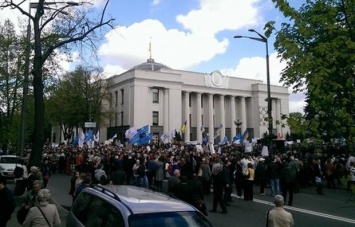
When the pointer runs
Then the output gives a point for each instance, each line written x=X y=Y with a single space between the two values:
x=238 y=124
x=264 y=40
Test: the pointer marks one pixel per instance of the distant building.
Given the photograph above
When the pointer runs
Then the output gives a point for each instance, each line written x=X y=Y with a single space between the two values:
x=164 y=98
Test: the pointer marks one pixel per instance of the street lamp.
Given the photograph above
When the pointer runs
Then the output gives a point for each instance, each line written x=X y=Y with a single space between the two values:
x=238 y=124
x=264 y=40
x=32 y=5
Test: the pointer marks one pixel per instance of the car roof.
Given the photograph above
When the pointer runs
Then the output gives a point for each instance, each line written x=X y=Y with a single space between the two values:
x=141 y=200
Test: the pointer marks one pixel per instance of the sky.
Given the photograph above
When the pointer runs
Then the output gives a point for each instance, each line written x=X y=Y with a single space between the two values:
x=193 y=35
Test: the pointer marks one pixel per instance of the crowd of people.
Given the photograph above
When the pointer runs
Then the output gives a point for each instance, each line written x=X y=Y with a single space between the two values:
x=189 y=174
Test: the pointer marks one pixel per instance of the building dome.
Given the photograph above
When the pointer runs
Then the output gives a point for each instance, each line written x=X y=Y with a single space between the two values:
x=150 y=65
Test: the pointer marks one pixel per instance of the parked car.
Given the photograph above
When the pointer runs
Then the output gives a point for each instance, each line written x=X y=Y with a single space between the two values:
x=131 y=206
x=7 y=165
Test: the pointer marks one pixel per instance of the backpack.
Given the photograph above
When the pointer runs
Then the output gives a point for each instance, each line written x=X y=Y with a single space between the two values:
x=18 y=172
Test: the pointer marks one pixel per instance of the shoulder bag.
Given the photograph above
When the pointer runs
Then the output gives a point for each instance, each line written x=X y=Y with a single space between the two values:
x=44 y=216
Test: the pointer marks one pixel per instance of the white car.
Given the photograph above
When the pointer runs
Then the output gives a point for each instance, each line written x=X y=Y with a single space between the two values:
x=7 y=165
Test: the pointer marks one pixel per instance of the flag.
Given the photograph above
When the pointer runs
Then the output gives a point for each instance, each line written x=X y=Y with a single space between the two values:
x=246 y=135
x=204 y=140
x=134 y=139
x=183 y=127
x=145 y=139
x=130 y=132
x=144 y=130
x=89 y=136
x=81 y=138
x=76 y=139
x=218 y=132
x=114 y=136
x=237 y=138
x=202 y=128
x=225 y=140
x=97 y=137
x=172 y=134
x=165 y=136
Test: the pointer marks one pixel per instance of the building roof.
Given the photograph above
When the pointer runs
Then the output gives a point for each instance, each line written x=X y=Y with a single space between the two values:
x=150 y=65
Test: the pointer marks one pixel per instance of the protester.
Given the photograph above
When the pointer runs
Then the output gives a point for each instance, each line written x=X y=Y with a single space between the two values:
x=278 y=217
x=28 y=200
x=249 y=182
x=7 y=203
x=287 y=182
x=219 y=183
x=44 y=214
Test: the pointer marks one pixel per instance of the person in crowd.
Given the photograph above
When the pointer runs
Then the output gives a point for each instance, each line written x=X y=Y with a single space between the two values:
x=150 y=170
x=329 y=170
x=260 y=175
x=228 y=187
x=219 y=183
x=274 y=171
x=295 y=166
x=28 y=200
x=159 y=172
x=317 y=168
x=35 y=175
x=238 y=179
x=118 y=176
x=86 y=183
x=100 y=174
x=287 y=181
x=183 y=191
x=248 y=183
x=278 y=216
x=44 y=214
x=174 y=180
x=135 y=171
x=7 y=203
x=351 y=182
x=206 y=176
x=73 y=183
x=46 y=172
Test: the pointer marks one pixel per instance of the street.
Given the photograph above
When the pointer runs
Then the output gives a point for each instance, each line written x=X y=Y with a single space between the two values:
x=310 y=209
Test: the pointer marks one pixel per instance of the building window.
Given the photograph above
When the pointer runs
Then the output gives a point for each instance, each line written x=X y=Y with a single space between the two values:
x=155 y=95
x=202 y=119
x=121 y=118
x=201 y=101
x=110 y=100
x=190 y=120
x=122 y=96
x=155 y=118
x=116 y=98
x=190 y=100
x=213 y=100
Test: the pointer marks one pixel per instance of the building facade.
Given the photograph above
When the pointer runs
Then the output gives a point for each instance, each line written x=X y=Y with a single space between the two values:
x=165 y=98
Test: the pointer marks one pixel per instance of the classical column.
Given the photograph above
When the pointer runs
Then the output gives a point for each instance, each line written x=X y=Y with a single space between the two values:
x=243 y=114
x=166 y=112
x=233 y=118
x=198 y=118
x=278 y=116
x=210 y=119
x=222 y=118
x=187 y=117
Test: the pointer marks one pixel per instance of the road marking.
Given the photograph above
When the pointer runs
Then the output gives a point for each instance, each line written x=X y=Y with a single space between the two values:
x=352 y=221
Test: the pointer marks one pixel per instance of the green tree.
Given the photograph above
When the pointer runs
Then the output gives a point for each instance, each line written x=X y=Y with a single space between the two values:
x=85 y=86
x=54 y=29
x=318 y=46
x=11 y=57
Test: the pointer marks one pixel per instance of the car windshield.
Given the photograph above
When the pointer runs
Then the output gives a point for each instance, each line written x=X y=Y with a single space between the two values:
x=8 y=160
x=171 y=219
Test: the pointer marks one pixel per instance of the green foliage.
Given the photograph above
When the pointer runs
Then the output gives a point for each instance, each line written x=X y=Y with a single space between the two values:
x=318 y=46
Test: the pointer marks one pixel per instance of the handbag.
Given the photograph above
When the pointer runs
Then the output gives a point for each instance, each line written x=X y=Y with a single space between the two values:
x=44 y=217
x=21 y=214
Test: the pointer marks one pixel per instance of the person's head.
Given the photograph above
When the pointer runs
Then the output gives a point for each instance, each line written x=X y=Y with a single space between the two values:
x=34 y=169
x=250 y=166
x=43 y=197
x=279 y=200
x=87 y=179
x=36 y=186
x=177 y=173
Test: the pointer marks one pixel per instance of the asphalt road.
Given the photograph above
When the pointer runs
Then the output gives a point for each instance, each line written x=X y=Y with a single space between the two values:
x=309 y=209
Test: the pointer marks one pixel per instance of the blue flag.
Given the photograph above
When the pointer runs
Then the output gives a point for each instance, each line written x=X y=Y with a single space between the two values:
x=76 y=140
x=142 y=131
x=89 y=136
x=145 y=139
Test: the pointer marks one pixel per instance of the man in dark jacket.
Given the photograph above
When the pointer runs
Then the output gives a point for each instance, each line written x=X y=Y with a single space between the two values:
x=7 y=203
x=219 y=183
x=287 y=182
x=260 y=175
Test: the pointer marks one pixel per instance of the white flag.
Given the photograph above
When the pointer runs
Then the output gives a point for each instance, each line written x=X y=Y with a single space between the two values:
x=97 y=137
x=130 y=132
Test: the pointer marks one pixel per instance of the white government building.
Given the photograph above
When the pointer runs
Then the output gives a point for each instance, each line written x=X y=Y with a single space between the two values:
x=164 y=98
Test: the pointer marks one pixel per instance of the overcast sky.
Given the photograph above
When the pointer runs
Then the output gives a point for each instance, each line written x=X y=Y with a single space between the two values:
x=195 y=35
